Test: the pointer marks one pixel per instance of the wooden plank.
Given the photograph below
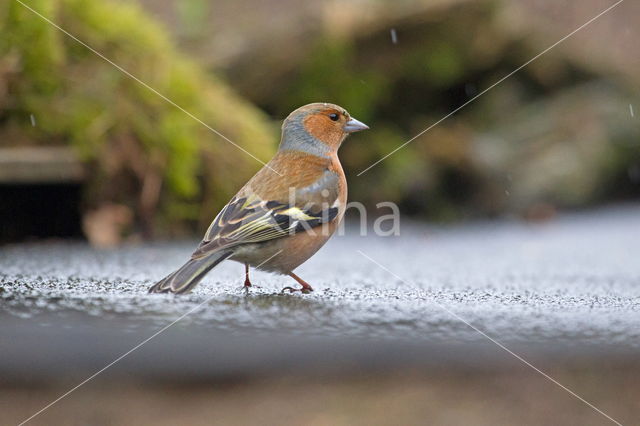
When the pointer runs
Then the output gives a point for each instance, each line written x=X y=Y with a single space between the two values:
x=39 y=165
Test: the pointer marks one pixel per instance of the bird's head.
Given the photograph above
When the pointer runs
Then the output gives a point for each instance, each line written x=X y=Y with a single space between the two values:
x=318 y=128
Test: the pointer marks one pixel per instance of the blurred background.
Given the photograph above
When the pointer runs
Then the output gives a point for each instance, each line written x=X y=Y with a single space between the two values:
x=106 y=158
x=89 y=153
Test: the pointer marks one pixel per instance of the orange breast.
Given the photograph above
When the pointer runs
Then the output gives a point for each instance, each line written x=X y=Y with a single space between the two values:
x=296 y=169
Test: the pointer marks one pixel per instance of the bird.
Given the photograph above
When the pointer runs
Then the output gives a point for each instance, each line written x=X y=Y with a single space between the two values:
x=287 y=211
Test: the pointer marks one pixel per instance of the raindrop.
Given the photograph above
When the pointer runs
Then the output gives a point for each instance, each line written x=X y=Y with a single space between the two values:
x=394 y=36
x=507 y=193
x=33 y=120
x=631 y=110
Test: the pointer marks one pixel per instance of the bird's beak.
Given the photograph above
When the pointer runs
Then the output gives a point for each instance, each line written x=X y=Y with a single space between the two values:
x=354 y=125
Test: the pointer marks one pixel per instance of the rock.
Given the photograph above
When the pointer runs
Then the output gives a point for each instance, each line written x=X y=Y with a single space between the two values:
x=106 y=225
x=566 y=149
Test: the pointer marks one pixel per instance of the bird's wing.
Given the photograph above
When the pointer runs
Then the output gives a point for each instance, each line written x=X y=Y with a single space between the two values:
x=249 y=218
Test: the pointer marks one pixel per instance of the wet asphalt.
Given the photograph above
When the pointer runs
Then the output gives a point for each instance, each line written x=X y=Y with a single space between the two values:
x=565 y=290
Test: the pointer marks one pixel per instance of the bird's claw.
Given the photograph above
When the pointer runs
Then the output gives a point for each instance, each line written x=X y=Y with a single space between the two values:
x=294 y=290
x=247 y=288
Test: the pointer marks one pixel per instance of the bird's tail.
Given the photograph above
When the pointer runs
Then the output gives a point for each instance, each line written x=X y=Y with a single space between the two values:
x=189 y=274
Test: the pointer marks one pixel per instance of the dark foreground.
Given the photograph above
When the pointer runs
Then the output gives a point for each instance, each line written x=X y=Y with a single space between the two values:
x=412 y=345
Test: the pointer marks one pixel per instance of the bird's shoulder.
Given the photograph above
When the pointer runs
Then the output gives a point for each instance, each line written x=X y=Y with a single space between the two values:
x=305 y=190
x=286 y=170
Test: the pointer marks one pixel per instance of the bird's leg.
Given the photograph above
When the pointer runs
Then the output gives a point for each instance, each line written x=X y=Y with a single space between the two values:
x=247 y=282
x=306 y=288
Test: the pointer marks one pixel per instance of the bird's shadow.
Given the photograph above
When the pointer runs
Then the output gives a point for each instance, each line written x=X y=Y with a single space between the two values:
x=277 y=300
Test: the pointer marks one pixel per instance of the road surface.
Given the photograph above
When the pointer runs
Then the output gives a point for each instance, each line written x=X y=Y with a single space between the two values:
x=440 y=295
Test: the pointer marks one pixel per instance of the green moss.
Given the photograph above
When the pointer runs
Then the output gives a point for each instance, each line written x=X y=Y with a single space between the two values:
x=124 y=131
x=331 y=74
x=438 y=64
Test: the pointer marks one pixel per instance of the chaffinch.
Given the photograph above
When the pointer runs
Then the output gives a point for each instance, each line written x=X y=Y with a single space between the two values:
x=287 y=211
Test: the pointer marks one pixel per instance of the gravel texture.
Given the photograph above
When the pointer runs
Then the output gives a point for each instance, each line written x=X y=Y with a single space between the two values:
x=567 y=288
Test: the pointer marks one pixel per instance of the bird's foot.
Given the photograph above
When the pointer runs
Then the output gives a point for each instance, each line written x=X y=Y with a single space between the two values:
x=306 y=288
x=303 y=290
x=247 y=281
x=248 y=287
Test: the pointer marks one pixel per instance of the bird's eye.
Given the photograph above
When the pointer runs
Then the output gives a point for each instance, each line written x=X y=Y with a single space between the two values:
x=333 y=116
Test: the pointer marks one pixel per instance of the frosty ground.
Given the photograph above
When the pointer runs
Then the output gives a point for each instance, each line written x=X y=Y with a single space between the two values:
x=572 y=284
x=564 y=295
